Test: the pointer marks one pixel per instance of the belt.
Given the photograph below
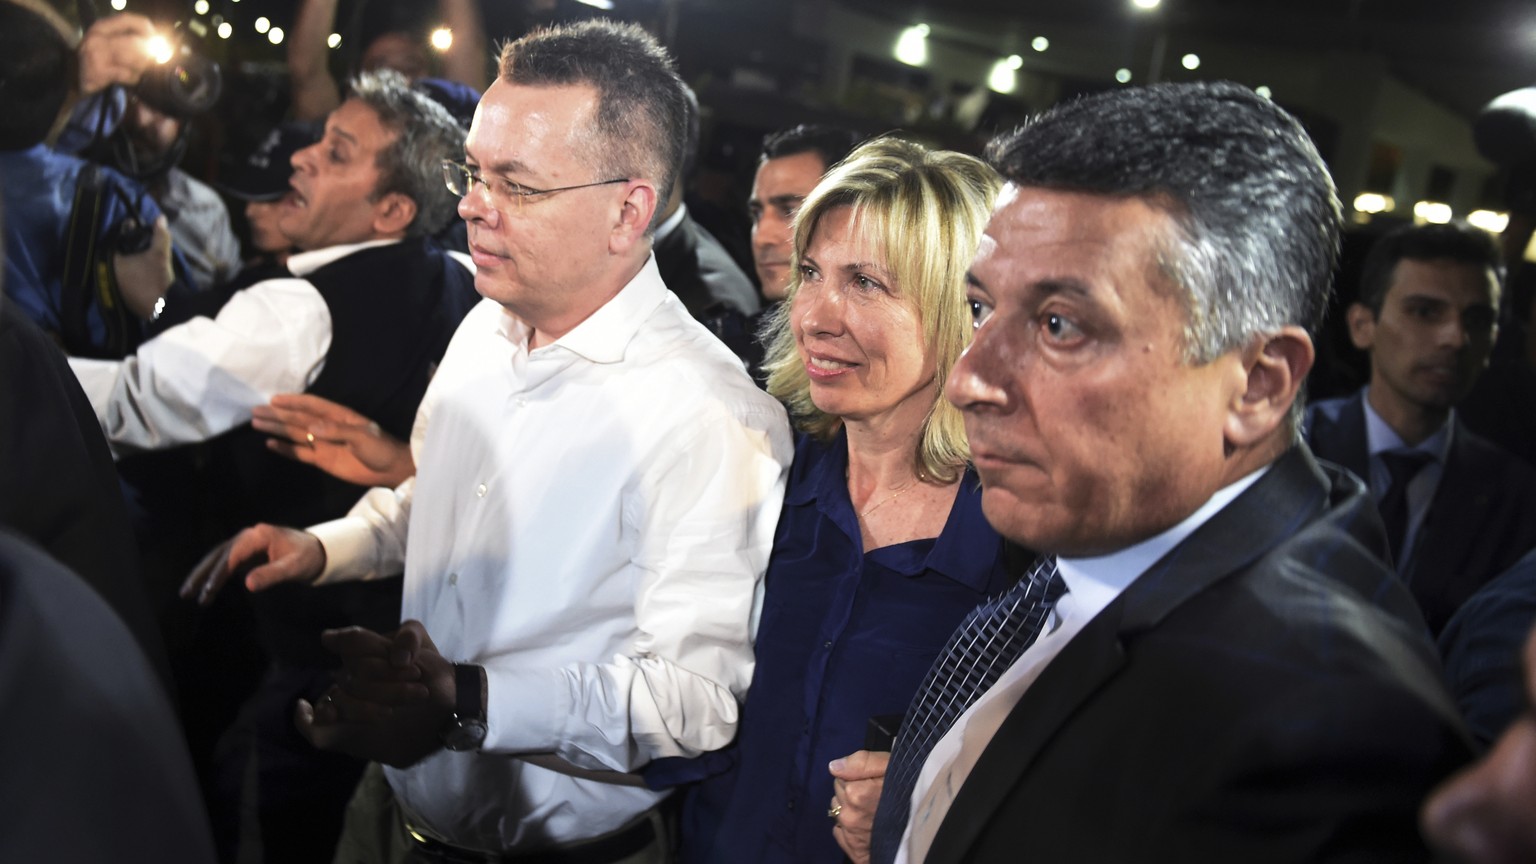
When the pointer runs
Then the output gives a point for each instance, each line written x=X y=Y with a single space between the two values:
x=615 y=846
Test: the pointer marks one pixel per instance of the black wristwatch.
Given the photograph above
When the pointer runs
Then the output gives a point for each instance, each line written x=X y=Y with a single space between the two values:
x=466 y=731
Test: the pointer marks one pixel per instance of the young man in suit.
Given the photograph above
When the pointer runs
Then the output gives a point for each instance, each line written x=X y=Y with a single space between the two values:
x=1230 y=673
x=1459 y=510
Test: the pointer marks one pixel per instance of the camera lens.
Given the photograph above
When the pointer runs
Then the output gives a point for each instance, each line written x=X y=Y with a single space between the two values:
x=186 y=85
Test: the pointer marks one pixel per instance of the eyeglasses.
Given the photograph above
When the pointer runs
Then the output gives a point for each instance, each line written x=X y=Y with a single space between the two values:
x=461 y=180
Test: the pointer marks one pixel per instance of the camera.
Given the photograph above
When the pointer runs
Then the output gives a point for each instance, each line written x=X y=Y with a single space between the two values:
x=183 y=85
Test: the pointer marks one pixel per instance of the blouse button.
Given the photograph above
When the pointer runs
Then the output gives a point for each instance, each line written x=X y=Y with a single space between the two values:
x=480 y=491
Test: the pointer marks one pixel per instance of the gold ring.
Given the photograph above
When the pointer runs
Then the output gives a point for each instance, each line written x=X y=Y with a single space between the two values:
x=311 y=438
x=834 y=810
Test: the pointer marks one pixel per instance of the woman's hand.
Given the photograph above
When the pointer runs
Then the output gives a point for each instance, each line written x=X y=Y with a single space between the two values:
x=855 y=794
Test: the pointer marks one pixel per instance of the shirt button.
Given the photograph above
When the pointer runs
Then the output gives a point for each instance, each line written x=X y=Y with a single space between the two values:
x=453 y=578
x=521 y=402
x=827 y=644
x=480 y=491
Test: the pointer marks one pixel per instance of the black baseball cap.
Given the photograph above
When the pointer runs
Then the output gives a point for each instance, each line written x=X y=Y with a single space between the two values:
x=263 y=174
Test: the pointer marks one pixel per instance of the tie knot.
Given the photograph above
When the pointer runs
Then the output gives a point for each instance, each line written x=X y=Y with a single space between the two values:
x=1404 y=465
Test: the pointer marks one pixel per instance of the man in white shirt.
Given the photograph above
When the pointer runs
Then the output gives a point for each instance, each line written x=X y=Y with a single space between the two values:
x=1230 y=675
x=597 y=487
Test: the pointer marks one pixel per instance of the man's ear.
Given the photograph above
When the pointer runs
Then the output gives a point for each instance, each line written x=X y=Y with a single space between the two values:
x=634 y=216
x=393 y=214
x=1276 y=365
x=1362 y=325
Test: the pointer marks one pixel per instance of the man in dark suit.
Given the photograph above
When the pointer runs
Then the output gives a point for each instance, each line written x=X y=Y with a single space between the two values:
x=1230 y=673
x=1458 y=509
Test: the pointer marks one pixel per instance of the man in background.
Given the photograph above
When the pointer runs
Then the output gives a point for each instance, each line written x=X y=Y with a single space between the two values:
x=1458 y=509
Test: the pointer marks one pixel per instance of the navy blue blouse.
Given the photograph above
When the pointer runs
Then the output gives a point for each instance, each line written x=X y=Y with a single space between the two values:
x=845 y=635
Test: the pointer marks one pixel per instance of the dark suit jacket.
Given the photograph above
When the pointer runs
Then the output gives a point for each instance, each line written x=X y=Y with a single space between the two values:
x=1481 y=520
x=1264 y=692
x=701 y=273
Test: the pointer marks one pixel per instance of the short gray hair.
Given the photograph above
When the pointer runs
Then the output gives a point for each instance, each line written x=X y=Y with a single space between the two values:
x=1256 y=215
x=425 y=135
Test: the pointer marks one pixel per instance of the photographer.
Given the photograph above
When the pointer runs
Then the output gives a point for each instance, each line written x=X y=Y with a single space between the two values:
x=148 y=91
x=75 y=232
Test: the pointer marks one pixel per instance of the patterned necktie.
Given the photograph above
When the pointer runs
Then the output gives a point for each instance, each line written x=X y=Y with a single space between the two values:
x=981 y=649
x=1402 y=467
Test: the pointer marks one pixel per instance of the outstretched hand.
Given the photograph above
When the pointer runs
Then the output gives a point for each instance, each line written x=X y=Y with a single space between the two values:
x=393 y=697
x=333 y=438
x=264 y=554
x=855 y=794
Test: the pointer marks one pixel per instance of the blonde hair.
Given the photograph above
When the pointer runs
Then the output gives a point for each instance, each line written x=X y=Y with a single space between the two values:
x=926 y=210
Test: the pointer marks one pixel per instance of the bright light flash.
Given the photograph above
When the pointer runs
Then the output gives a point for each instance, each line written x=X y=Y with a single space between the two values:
x=200 y=7
x=1190 y=61
x=275 y=35
x=119 y=5
x=1003 y=78
x=333 y=40
x=605 y=5
x=1123 y=75
x=263 y=25
x=1040 y=43
x=226 y=30
x=1263 y=90
x=442 y=39
x=1146 y=4
x=160 y=48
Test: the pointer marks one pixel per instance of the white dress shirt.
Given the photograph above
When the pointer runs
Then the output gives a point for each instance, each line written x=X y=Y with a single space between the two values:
x=200 y=379
x=1381 y=438
x=1092 y=584
x=590 y=521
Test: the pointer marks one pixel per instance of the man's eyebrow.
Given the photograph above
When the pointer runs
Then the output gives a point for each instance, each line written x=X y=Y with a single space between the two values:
x=785 y=200
x=343 y=134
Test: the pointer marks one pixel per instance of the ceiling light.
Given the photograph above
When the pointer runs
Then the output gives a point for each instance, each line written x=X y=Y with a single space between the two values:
x=1489 y=220
x=912 y=46
x=1372 y=202
x=1190 y=61
x=1431 y=211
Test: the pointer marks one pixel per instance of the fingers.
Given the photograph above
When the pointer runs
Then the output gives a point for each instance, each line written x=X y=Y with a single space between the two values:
x=291 y=555
x=409 y=640
x=861 y=765
x=317 y=408
x=356 y=642
x=115 y=51
x=209 y=575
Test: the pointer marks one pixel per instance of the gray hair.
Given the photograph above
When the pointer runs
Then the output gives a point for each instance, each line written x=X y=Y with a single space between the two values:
x=1255 y=213
x=642 y=113
x=425 y=135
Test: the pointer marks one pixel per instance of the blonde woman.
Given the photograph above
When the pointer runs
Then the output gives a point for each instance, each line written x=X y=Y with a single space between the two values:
x=882 y=547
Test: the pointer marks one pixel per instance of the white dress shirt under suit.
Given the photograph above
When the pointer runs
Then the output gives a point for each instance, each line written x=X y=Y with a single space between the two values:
x=590 y=521
x=1092 y=584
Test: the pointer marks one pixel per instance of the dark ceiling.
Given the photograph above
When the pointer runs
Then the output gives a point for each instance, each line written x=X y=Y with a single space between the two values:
x=1461 y=53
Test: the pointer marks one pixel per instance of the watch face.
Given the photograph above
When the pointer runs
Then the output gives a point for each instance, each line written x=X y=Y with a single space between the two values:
x=464 y=734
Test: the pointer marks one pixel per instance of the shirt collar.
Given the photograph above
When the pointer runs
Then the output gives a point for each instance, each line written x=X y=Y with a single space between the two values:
x=671 y=223
x=605 y=334
x=1381 y=437
x=1094 y=582
x=960 y=545
x=304 y=263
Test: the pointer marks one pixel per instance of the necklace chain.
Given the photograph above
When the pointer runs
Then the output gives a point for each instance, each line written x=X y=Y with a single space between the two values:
x=864 y=514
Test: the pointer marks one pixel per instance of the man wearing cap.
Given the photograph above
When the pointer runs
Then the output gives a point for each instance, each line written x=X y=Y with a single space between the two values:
x=260 y=181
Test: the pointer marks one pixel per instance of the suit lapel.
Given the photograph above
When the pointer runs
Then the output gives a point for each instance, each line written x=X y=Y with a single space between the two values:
x=1289 y=496
x=1343 y=441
